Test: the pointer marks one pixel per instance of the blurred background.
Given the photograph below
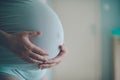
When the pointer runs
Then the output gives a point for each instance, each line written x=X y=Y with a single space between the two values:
x=88 y=26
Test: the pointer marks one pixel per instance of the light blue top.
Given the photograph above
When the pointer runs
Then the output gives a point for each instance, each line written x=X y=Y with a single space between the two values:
x=30 y=15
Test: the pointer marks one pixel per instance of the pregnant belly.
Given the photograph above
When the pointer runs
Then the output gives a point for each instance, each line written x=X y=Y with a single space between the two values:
x=32 y=16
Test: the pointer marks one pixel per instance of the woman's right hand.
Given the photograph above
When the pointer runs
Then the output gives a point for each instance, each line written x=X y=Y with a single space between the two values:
x=20 y=44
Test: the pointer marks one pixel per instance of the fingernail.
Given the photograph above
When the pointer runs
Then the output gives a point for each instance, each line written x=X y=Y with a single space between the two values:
x=60 y=46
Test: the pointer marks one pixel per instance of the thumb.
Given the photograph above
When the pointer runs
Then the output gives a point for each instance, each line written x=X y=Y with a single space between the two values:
x=33 y=34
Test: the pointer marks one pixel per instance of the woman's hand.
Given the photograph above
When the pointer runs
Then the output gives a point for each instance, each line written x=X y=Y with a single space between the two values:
x=55 y=61
x=20 y=44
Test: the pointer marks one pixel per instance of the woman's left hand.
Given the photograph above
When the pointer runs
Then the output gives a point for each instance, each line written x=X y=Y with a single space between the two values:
x=54 y=61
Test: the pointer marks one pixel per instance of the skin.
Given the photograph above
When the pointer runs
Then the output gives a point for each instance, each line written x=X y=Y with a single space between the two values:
x=20 y=44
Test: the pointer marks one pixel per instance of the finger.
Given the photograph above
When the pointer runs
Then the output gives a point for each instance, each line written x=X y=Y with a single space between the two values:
x=61 y=53
x=50 y=61
x=37 y=57
x=58 y=57
x=32 y=46
x=33 y=34
x=62 y=48
x=43 y=66
x=48 y=66
x=39 y=50
x=31 y=60
x=35 y=48
x=55 y=60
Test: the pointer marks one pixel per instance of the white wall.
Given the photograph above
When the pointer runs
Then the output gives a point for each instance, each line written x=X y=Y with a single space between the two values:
x=80 y=19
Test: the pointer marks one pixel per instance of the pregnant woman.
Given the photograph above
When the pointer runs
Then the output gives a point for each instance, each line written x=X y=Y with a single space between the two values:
x=24 y=51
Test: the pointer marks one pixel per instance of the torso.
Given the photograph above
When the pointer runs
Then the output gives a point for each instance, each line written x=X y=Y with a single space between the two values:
x=28 y=15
